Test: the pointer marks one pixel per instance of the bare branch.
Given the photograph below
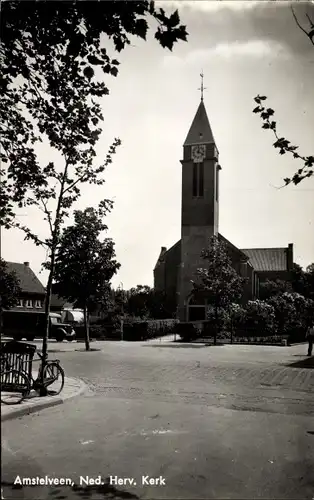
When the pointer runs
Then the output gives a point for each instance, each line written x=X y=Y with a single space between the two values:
x=301 y=27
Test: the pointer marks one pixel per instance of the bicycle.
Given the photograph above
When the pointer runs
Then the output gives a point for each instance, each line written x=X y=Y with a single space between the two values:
x=16 y=381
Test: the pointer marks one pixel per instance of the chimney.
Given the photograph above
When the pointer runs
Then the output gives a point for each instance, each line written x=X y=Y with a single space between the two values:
x=26 y=264
x=290 y=257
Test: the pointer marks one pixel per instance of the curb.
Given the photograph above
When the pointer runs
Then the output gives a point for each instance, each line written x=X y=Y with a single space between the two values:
x=42 y=405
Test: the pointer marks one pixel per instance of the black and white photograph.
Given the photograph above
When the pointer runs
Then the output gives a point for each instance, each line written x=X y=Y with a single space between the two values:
x=157 y=249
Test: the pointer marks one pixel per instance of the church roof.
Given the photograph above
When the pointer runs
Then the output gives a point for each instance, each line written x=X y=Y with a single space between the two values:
x=241 y=253
x=267 y=259
x=200 y=131
x=164 y=254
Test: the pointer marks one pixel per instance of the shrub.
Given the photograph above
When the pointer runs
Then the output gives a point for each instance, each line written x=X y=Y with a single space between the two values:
x=293 y=313
x=134 y=332
x=159 y=328
x=187 y=331
x=259 y=318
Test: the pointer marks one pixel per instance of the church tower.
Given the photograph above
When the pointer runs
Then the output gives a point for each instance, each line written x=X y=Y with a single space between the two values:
x=200 y=201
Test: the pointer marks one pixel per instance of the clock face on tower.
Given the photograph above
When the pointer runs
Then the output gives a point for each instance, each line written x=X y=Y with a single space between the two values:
x=198 y=153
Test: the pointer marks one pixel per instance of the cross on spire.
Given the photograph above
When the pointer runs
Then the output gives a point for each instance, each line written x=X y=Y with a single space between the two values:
x=202 y=88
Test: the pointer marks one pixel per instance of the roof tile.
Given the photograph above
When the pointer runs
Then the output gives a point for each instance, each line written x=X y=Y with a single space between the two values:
x=267 y=259
x=28 y=280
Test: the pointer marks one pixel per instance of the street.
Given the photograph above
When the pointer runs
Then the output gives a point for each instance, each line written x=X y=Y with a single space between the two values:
x=170 y=421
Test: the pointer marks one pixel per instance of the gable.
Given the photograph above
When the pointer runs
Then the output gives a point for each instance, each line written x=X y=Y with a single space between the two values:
x=172 y=255
x=267 y=259
x=232 y=248
x=29 y=283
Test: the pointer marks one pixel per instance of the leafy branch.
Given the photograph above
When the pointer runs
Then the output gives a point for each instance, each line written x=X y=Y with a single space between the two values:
x=283 y=144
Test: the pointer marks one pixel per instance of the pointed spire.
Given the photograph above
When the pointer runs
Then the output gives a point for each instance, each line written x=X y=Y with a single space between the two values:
x=200 y=131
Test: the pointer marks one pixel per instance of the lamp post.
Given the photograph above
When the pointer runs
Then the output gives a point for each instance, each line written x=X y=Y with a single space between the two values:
x=120 y=287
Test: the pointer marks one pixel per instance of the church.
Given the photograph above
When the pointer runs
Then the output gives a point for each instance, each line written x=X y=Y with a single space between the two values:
x=177 y=266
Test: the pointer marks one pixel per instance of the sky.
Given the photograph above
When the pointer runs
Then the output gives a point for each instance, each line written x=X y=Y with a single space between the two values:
x=244 y=49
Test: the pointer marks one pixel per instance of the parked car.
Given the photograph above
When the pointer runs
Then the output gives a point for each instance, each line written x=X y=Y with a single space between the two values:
x=28 y=325
x=60 y=331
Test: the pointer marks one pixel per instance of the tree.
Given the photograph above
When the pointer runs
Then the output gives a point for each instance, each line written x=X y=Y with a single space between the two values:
x=293 y=312
x=50 y=55
x=9 y=288
x=161 y=306
x=302 y=282
x=85 y=265
x=237 y=315
x=259 y=316
x=53 y=59
x=145 y=302
x=309 y=279
x=138 y=299
x=282 y=144
x=218 y=283
x=270 y=288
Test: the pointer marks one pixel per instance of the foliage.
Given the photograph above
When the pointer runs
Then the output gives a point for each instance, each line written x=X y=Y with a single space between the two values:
x=186 y=331
x=161 y=327
x=53 y=61
x=221 y=316
x=84 y=264
x=137 y=303
x=293 y=312
x=237 y=314
x=282 y=144
x=218 y=283
x=302 y=282
x=259 y=317
x=53 y=58
x=135 y=331
x=9 y=287
x=269 y=288
x=309 y=280
x=145 y=302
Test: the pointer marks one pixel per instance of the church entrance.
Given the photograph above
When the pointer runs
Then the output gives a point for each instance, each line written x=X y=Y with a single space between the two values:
x=197 y=313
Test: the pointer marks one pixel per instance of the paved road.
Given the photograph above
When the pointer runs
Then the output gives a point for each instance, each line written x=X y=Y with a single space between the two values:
x=214 y=422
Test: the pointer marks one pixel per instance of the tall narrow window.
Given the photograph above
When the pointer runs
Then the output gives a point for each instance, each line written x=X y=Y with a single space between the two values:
x=195 y=165
x=201 y=179
x=217 y=182
x=198 y=180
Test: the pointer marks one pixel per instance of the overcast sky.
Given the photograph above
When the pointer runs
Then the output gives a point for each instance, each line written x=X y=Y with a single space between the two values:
x=244 y=48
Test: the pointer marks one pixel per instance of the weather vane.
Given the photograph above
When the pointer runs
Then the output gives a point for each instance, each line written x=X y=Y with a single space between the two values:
x=202 y=88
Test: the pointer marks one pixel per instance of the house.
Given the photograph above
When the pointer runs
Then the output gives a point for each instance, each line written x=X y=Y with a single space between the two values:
x=32 y=291
x=176 y=267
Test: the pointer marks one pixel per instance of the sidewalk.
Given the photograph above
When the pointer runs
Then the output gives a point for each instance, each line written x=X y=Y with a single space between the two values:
x=72 y=387
x=166 y=338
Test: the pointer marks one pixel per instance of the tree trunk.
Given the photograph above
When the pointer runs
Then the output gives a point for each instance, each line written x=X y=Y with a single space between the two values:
x=231 y=333
x=86 y=328
x=43 y=390
x=54 y=242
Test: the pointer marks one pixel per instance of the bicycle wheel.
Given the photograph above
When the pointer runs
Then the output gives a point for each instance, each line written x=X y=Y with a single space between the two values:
x=53 y=378
x=15 y=386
